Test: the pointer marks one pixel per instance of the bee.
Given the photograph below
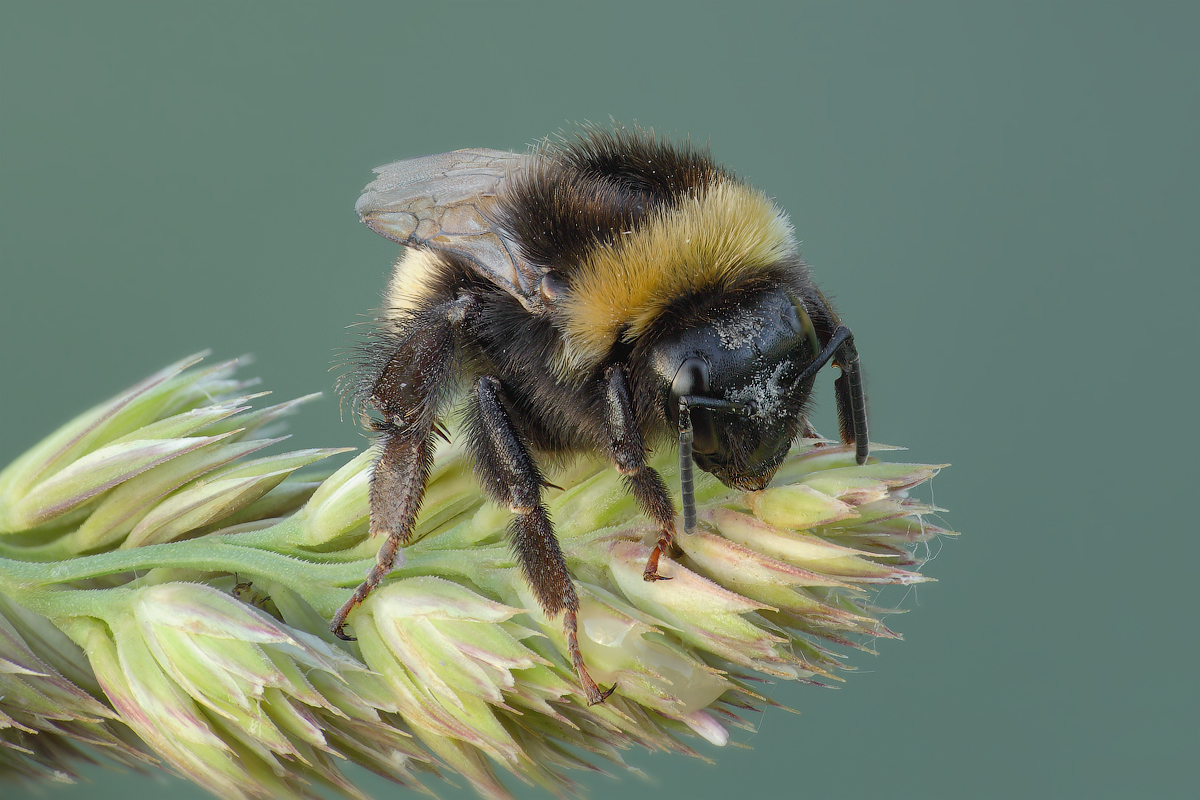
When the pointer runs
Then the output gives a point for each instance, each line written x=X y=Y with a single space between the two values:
x=605 y=293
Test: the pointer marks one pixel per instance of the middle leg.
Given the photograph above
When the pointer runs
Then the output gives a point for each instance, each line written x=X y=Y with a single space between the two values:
x=510 y=476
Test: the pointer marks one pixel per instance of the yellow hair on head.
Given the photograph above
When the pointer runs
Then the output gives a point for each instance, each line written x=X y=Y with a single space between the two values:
x=719 y=238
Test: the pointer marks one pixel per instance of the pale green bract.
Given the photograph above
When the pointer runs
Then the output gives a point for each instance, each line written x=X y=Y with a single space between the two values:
x=165 y=593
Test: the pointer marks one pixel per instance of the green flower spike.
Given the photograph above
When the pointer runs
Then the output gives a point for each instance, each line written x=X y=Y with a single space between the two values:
x=165 y=591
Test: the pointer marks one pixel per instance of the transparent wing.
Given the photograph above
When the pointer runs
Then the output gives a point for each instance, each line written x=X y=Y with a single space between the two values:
x=442 y=202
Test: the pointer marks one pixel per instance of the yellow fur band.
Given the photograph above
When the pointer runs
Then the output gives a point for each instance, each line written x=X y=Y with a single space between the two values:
x=721 y=237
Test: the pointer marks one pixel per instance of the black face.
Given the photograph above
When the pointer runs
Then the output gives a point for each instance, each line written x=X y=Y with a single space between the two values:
x=749 y=355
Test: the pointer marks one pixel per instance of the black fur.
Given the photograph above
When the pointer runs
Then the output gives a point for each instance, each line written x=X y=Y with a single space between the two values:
x=578 y=196
x=585 y=191
x=639 y=161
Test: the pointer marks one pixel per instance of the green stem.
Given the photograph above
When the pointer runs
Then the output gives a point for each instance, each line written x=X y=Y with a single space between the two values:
x=198 y=554
x=60 y=604
x=279 y=537
x=322 y=585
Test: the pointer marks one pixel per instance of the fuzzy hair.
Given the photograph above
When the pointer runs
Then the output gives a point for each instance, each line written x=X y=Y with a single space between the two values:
x=412 y=280
x=710 y=242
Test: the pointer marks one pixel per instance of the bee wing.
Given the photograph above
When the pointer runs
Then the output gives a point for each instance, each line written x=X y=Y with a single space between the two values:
x=442 y=202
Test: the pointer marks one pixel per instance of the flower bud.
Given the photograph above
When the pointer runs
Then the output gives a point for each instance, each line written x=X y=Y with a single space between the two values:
x=163 y=394
x=230 y=697
x=338 y=510
x=219 y=495
x=151 y=465
x=42 y=713
x=449 y=654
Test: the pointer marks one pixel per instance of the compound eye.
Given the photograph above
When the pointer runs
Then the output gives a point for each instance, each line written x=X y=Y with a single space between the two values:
x=692 y=381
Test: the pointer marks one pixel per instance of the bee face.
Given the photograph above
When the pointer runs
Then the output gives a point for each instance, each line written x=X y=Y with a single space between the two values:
x=739 y=365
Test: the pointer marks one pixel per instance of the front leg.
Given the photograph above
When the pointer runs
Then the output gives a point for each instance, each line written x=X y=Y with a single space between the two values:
x=407 y=391
x=509 y=475
x=629 y=456
x=851 y=400
x=848 y=388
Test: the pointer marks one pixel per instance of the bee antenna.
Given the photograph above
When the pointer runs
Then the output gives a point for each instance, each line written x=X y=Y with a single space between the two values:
x=685 y=466
x=687 y=437
x=827 y=352
x=716 y=404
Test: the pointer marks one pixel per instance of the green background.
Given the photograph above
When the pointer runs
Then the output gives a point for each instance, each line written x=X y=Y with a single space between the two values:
x=998 y=195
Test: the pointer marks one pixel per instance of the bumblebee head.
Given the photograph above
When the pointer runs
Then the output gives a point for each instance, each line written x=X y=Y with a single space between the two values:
x=739 y=373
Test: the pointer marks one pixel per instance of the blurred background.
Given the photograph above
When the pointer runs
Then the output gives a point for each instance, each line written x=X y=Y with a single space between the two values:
x=998 y=195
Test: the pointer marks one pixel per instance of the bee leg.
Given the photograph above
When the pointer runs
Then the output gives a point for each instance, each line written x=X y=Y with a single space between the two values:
x=397 y=488
x=628 y=453
x=851 y=400
x=848 y=388
x=509 y=475
x=407 y=388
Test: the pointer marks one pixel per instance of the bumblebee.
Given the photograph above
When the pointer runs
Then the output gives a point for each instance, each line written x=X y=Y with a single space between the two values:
x=603 y=294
